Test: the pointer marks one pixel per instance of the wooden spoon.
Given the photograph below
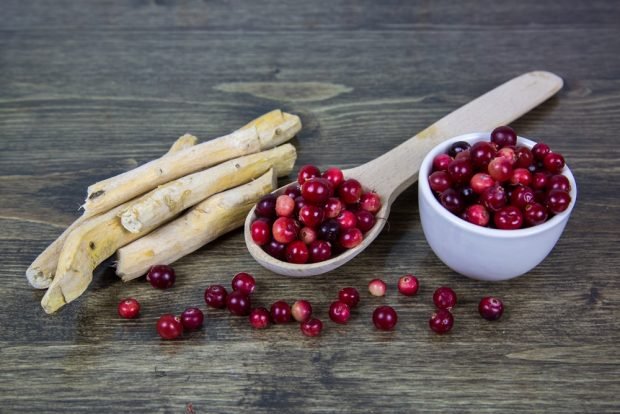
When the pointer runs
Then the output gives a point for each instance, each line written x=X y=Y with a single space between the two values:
x=391 y=173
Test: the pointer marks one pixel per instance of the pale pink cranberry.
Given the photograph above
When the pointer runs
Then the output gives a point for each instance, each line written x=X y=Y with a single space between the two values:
x=509 y=154
x=301 y=310
x=284 y=230
x=377 y=287
x=285 y=206
x=520 y=176
x=480 y=182
x=500 y=169
x=370 y=202
x=307 y=235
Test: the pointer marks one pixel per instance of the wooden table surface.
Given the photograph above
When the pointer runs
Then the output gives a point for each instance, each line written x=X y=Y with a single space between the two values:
x=91 y=89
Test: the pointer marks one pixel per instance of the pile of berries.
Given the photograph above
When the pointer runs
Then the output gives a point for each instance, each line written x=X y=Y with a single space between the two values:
x=501 y=184
x=316 y=219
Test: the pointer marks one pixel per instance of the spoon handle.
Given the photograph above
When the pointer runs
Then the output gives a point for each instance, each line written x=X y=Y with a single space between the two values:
x=391 y=173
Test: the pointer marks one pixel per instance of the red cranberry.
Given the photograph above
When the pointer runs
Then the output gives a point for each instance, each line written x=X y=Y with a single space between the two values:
x=558 y=182
x=444 y=298
x=441 y=162
x=284 y=230
x=334 y=176
x=285 y=206
x=365 y=220
x=463 y=155
x=333 y=207
x=301 y=310
x=316 y=190
x=494 y=198
x=452 y=201
x=534 y=214
x=504 y=136
x=169 y=326
x=215 y=296
x=128 y=308
x=500 y=169
x=441 y=321
x=339 y=312
x=370 y=202
x=329 y=230
x=525 y=158
x=350 y=238
x=480 y=182
x=311 y=215
x=275 y=249
x=350 y=191
x=558 y=201
x=491 y=308
x=244 y=283
x=312 y=327
x=350 y=296
x=461 y=170
x=307 y=235
x=477 y=214
x=457 y=147
x=440 y=181
x=377 y=287
x=259 y=318
x=540 y=150
x=293 y=191
x=481 y=153
x=521 y=196
x=553 y=162
x=408 y=285
x=384 y=318
x=347 y=220
x=539 y=180
x=508 y=153
x=280 y=312
x=297 y=252
x=261 y=231
x=266 y=206
x=161 y=276
x=192 y=318
x=307 y=172
x=238 y=303
x=520 y=176
x=508 y=218
x=320 y=251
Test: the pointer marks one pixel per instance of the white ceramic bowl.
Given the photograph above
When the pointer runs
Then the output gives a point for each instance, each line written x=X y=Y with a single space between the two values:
x=479 y=252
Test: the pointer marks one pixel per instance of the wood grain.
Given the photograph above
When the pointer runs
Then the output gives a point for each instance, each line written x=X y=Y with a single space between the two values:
x=87 y=92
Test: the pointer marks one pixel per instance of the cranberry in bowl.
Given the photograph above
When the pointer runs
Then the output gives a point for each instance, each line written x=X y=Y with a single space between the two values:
x=495 y=213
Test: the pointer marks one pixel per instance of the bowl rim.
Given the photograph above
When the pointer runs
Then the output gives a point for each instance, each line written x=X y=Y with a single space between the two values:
x=426 y=192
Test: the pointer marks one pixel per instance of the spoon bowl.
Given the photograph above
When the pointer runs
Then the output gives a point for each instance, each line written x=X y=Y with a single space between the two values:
x=391 y=173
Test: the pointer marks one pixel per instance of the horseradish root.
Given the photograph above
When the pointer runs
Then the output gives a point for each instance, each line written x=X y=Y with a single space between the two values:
x=42 y=270
x=205 y=222
x=168 y=200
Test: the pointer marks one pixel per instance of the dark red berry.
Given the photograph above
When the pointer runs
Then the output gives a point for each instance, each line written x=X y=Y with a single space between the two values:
x=540 y=150
x=215 y=296
x=440 y=181
x=520 y=176
x=461 y=170
x=161 y=276
x=350 y=296
x=266 y=206
x=525 y=158
x=504 y=136
x=521 y=196
x=238 y=303
x=370 y=202
x=297 y=252
x=261 y=231
x=259 y=318
x=347 y=220
x=307 y=172
x=350 y=238
x=320 y=251
x=275 y=249
x=312 y=327
x=329 y=230
x=500 y=169
x=553 y=162
x=339 y=312
x=441 y=321
x=280 y=312
x=169 y=326
x=480 y=182
x=333 y=207
x=334 y=176
x=481 y=154
x=285 y=206
x=365 y=220
x=293 y=191
x=444 y=298
x=350 y=191
x=408 y=285
x=441 y=162
x=244 y=283
x=457 y=147
x=192 y=318
x=311 y=215
x=494 y=198
x=477 y=214
x=558 y=201
x=385 y=318
x=491 y=308
x=316 y=190
x=129 y=308
x=558 y=182
x=452 y=201
x=508 y=218
x=301 y=310
x=539 y=180
x=534 y=214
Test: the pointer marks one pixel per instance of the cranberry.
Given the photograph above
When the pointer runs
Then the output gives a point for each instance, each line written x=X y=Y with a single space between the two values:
x=463 y=155
x=507 y=153
x=316 y=190
x=540 y=150
x=480 y=182
x=259 y=318
x=285 y=206
x=169 y=326
x=452 y=201
x=307 y=235
x=440 y=181
x=468 y=194
x=441 y=321
x=365 y=220
x=312 y=327
x=508 y=218
x=350 y=191
x=261 y=231
x=441 y=162
x=553 y=162
x=350 y=238
x=558 y=182
x=377 y=287
x=444 y=298
x=293 y=191
x=299 y=203
x=370 y=202
x=161 y=276
x=280 y=312
x=481 y=153
x=284 y=230
x=333 y=207
x=408 y=285
x=347 y=220
x=215 y=296
x=339 y=312
x=521 y=196
x=500 y=169
x=504 y=136
x=461 y=170
x=307 y=172
x=238 y=303
x=558 y=201
x=384 y=318
x=301 y=310
x=329 y=230
x=266 y=206
x=244 y=283
x=192 y=318
x=128 y=308
x=539 y=180
x=297 y=252
x=477 y=214
x=494 y=198
x=334 y=176
x=311 y=215
x=525 y=158
x=534 y=214
x=275 y=249
x=320 y=250
x=520 y=176
x=350 y=296
x=491 y=308
x=457 y=147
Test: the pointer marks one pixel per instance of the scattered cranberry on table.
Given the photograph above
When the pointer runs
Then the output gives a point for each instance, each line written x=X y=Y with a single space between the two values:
x=244 y=283
x=441 y=321
x=161 y=276
x=259 y=318
x=238 y=303
x=301 y=310
x=169 y=326
x=408 y=285
x=192 y=318
x=385 y=318
x=281 y=312
x=129 y=308
x=377 y=287
x=215 y=296
x=350 y=296
x=339 y=312
x=444 y=298
x=491 y=308
x=311 y=327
